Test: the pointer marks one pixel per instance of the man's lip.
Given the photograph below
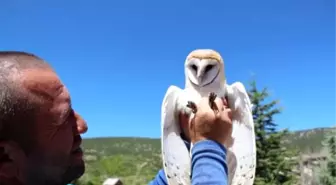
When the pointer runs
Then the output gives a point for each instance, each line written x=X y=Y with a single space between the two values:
x=77 y=143
x=76 y=151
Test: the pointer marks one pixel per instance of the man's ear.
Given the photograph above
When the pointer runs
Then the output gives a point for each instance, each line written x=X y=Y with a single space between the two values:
x=12 y=161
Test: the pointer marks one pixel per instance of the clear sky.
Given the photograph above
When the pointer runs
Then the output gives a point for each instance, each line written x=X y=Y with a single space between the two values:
x=119 y=57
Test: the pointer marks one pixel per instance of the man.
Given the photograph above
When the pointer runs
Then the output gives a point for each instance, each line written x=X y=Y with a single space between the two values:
x=206 y=131
x=39 y=131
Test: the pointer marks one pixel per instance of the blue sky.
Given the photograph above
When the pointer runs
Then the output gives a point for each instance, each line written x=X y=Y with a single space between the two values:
x=119 y=57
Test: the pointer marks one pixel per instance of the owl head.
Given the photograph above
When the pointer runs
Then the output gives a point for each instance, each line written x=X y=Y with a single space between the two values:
x=203 y=67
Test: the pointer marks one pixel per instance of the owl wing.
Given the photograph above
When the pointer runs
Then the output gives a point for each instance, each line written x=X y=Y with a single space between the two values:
x=243 y=137
x=175 y=155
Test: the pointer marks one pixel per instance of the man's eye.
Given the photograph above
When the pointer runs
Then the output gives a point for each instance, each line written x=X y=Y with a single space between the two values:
x=70 y=114
x=64 y=117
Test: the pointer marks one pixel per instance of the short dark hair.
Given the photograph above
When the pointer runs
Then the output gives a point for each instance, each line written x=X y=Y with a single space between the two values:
x=14 y=104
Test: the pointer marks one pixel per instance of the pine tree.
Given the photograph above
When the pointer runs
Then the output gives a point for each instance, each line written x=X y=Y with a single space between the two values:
x=328 y=174
x=275 y=163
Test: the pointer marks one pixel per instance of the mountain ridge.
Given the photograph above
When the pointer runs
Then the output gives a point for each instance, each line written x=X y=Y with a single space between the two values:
x=119 y=156
x=143 y=137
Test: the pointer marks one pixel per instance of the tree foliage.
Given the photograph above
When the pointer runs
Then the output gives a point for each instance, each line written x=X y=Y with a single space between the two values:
x=328 y=173
x=275 y=163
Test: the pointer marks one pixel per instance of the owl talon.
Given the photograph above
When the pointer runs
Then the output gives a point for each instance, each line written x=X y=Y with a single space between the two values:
x=192 y=106
x=213 y=105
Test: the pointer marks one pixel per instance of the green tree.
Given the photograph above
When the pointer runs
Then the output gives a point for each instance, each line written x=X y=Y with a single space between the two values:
x=328 y=173
x=275 y=163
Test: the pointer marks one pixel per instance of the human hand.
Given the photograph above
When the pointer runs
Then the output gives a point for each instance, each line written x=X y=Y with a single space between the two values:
x=208 y=124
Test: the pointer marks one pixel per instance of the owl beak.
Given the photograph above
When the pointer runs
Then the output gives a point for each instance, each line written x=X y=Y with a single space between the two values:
x=200 y=75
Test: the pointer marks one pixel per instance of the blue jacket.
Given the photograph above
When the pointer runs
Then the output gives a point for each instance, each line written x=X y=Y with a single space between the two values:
x=208 y=165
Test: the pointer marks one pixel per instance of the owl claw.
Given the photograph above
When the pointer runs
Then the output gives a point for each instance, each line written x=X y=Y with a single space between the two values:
x=192 y=106
x=213 y=105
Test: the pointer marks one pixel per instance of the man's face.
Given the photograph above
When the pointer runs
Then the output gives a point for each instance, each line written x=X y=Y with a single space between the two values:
x=55 y=156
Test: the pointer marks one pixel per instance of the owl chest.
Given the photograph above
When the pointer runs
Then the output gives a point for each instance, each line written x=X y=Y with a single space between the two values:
x=205 y=91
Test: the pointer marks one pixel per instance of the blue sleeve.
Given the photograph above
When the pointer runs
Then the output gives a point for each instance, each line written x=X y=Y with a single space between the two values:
x=160 y=179
x=208 y=165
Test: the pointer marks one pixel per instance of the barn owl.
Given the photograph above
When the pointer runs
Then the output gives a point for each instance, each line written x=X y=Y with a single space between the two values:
x=204 y=75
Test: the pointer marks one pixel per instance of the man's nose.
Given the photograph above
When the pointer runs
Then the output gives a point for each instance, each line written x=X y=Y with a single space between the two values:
x=81 y=124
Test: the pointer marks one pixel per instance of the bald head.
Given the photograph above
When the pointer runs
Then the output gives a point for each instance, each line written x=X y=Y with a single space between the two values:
x=14 y=61
x=12 y=99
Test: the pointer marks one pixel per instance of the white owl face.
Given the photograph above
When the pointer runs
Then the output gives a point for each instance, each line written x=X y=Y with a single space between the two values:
x=202 y=72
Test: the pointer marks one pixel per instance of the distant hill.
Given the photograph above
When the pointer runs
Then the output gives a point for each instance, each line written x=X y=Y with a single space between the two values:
x=135 y=160
x=119 y=156
x=307 y=141
x=122 y=145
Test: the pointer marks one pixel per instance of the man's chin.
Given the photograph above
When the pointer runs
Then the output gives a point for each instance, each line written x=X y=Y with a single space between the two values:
x=76 y=168
x=74 y=172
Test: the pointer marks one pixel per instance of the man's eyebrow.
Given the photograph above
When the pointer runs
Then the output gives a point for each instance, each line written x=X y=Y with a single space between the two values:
x=48 y=92
x=59 y=90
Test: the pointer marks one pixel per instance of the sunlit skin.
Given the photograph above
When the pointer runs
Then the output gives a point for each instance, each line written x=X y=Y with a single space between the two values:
x=53 y=151
x=184 y=121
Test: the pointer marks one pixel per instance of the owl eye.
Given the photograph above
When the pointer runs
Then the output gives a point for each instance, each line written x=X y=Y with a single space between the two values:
x=194 y=67
x=208 y=68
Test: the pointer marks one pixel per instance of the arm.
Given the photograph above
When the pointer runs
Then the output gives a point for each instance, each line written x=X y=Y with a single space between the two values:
x=208 y=165
x=160 y=179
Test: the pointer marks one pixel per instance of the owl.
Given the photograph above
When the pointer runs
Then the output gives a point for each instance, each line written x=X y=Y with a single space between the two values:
x=204 y=76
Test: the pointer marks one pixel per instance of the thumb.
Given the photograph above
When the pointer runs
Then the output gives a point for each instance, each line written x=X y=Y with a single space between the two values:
x=191 y=123
x=226 y=116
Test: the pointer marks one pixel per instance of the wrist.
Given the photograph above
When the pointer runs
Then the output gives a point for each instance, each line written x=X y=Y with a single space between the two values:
x=208 y=144
x=222 y=141
x=198 y=139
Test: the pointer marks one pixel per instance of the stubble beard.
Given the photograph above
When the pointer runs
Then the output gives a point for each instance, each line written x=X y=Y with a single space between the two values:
x=54 y=175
